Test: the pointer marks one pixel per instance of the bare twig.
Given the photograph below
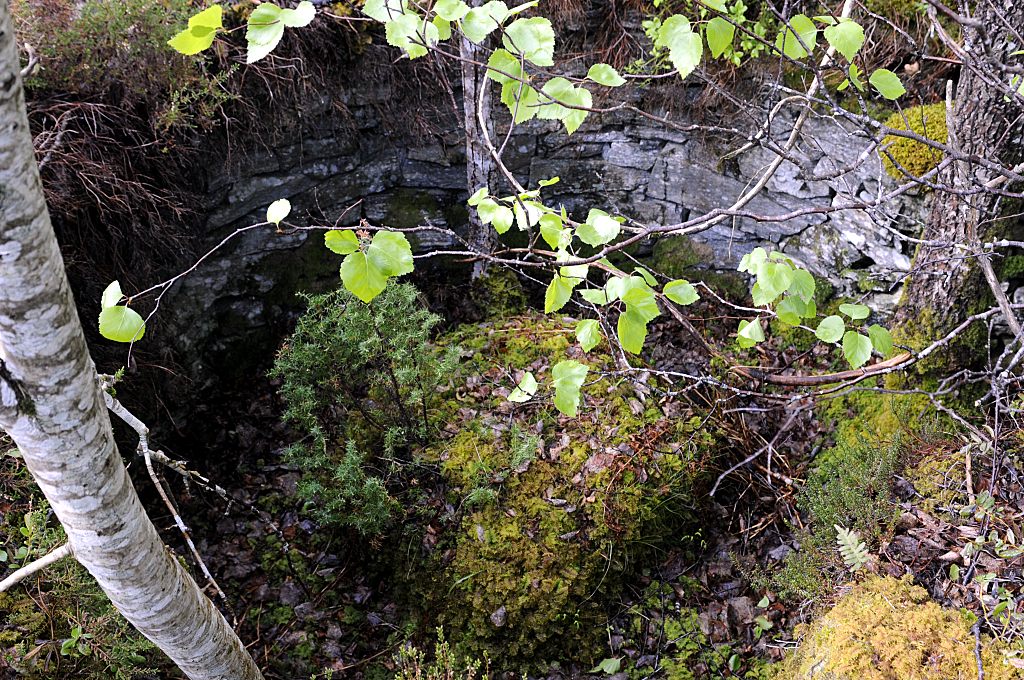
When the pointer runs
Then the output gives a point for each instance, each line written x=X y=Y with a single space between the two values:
x=55 y=555
x=118 y=409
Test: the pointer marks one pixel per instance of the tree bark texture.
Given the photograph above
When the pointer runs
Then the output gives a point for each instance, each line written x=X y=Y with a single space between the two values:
x=945 y=278
x=479 y=164
x=52 y=407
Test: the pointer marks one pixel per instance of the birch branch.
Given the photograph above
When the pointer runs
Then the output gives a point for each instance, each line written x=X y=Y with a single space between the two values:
x=118 y=409
x=55 y=555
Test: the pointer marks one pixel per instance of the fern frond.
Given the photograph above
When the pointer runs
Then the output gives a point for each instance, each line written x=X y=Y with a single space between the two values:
x=853 y=550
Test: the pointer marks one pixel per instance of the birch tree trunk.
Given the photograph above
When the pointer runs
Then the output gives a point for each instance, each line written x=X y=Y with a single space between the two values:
x=986 y=124
x=479 y=164
x=52 y=407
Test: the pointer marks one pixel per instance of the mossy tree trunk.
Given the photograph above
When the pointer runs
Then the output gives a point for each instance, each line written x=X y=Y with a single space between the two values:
x=476 y=105
x=52 y=407
x=946 y=282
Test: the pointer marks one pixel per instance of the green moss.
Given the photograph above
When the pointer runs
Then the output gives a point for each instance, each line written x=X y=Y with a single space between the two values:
x=1012 y=267
x=498 y=293
x=886 y=629
x=914 y=157
x=679 y=257
x=937 y=477
x=555 y=510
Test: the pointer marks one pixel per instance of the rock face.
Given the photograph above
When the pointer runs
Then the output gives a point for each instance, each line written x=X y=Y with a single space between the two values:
x=620 y=162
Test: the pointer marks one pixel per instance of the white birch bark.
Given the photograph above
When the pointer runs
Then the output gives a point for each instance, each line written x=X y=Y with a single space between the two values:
x=479 y=164
x=51 y=406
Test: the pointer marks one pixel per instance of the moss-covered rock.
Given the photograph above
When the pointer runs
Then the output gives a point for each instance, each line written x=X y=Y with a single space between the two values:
x=679 y=257
x=913 y=157
x=888 y=629
x=550 y=511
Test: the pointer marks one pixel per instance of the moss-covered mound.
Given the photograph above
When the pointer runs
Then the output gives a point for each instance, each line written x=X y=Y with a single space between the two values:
x=912 y=157
x=550 y=511
x=888 y=629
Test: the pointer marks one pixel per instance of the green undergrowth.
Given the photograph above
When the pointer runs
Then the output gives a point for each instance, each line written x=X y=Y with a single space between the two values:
x=851 y=487
x=117 y=52
x=684 y=651
x=57 y=624
x=359 y=383
x=548 y=512
x=888 y=629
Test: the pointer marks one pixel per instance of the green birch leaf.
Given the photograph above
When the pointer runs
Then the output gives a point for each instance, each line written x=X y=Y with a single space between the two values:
x=561 y=90
x=749 y=333
x=301 y=16
x=478 y=196
x=553 y=233
x=632 y=330
x=638 y=296
x=790 y=45
x=607 y=666
x=533 y=38
x=121 y=324
x=752 y=261
x=684 y=46
x=341 y=242
x=558 y=293
x=384 y=10
x=568 y=376
x=847 y=37
x=263 y=31
x=443 y=26
x=202 y=29
x=887 y=83
x=595 y=296
x=278 y=210
x=111 y=295
x=856 y=348
x=681 y=292
x=480 y=22
x=588 y=332
x=855 y=312
x=647 y=276
x=774 y=279
x=881 y=339
x=598 y=229
x=803 y=284
x=362 y=278
x=527 y=213
x=391 y=253
x=408 y=33
x=604 y=74
x=830 y=329
x=719 y=33
x=211 y=17
x=451 y=10
x=525 y=390
x=502 y=219
x=792 y=310
x=501 y=62
x=521 y=99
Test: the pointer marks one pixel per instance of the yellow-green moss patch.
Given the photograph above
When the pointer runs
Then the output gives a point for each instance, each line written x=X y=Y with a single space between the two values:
x=888 y=629
x=913 y=157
